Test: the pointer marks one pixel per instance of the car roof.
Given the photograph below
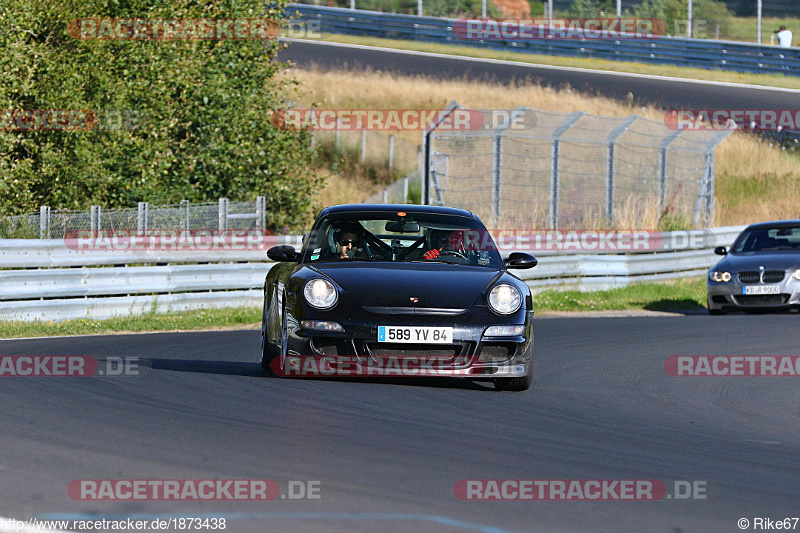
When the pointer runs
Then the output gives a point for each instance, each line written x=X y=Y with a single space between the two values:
x=775 y=224
x=393 y=208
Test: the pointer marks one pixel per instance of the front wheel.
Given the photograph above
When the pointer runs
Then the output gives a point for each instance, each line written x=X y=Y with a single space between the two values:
x=268 y=351
x=519 y=384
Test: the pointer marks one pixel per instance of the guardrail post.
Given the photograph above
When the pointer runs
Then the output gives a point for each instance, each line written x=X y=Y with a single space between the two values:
x=261 y=212
x=391 y=153
x=662 y=168
x=611 y=164
x=94 y=216
x=223 y=214
x=44 y=222
x=141 y=217
x=554 y=157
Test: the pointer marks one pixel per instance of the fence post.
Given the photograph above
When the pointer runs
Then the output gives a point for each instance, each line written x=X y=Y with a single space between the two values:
x=363 y=144
x=223 y=214
x=419 y=8
x=338 y=133
x=611 y=164
x=261 y=215
x=94 y=216
x=554 y=157
x=662 y=168
x=44 y=222
x=391 y=153
x=313 y=130
x=352 y=4
x=426 y=141
x=497 y=163
x=141 y=217
x=405 y=190
x=186 y=223
x=385 y=196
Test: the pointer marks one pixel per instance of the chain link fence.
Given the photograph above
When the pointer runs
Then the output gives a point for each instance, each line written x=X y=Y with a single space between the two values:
x=58 y=223
x=542 y=169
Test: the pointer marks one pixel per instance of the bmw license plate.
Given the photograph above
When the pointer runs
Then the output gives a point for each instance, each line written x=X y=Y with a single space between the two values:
x=761 y=289
x=415 y=335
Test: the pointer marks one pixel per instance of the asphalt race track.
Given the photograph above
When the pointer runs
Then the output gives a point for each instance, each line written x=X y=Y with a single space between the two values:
x=666 y=93
x=387 y=453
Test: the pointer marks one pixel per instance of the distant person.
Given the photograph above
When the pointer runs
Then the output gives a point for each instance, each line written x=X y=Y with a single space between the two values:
x=784 y=37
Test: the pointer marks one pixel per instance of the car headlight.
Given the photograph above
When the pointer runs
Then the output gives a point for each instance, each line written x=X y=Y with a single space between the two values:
x=505 y=299
x=719 y=276
x=796 y=274
x=320 y=293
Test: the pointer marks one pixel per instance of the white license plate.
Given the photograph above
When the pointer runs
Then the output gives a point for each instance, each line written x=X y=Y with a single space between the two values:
x=415 y=334
x=761 y=289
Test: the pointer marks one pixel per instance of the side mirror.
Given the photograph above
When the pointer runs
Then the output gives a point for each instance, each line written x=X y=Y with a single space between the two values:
x=521 y=260
x=721 y=250
x=282 y=253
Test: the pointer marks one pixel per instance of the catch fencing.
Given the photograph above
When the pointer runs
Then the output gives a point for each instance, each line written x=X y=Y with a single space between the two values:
x=58 y=223
x=47 y=279
x=543 y=169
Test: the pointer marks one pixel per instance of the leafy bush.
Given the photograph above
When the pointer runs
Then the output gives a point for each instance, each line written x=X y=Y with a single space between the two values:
x=202 y=109
x=706 y=14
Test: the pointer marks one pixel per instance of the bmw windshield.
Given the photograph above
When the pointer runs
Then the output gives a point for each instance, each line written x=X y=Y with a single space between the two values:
x=766 y=239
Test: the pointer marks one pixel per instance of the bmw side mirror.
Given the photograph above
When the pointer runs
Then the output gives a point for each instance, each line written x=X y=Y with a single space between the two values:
x=282 y=253
x=521 y=260
x=721 y=250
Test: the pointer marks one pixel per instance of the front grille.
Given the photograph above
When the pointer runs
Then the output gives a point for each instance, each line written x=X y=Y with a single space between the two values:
x=444 y=351
x=749 y=277
x=774 y=276
x=754 y=300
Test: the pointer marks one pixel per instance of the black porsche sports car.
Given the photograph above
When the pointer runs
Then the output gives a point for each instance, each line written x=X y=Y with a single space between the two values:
x=382 y=285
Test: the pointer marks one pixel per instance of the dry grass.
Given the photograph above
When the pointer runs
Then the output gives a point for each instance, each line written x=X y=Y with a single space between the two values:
x=754 y=179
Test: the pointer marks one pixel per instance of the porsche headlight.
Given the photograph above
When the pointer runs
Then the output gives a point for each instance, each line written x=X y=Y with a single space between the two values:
x=796 y=274
x=320 y=293
x=719 y=276
x=505 y=299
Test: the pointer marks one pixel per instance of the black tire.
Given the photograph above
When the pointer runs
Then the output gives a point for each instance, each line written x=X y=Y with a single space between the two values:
x=268 y=352
x=519 y=384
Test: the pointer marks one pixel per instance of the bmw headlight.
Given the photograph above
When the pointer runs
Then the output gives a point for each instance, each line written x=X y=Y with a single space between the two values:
x=796 y=274
x=719 y=276
x=320 y=293
x=505 y=299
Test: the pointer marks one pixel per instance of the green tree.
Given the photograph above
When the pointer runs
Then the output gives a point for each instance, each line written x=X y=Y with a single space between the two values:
x=201 y=112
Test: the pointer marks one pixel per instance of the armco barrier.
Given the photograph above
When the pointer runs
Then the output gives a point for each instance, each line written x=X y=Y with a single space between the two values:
x=47 y=280
x=724 y=55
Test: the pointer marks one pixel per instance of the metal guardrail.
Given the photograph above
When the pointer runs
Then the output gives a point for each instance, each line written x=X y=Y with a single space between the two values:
x=59 y=291
x=724 y=55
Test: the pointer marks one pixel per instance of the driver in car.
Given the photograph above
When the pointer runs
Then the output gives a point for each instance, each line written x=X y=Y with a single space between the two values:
x=349 y=237
x=440 y=241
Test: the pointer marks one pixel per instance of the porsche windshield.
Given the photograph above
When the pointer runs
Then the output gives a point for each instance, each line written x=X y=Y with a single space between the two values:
x=417 y=237
x=777 y=239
